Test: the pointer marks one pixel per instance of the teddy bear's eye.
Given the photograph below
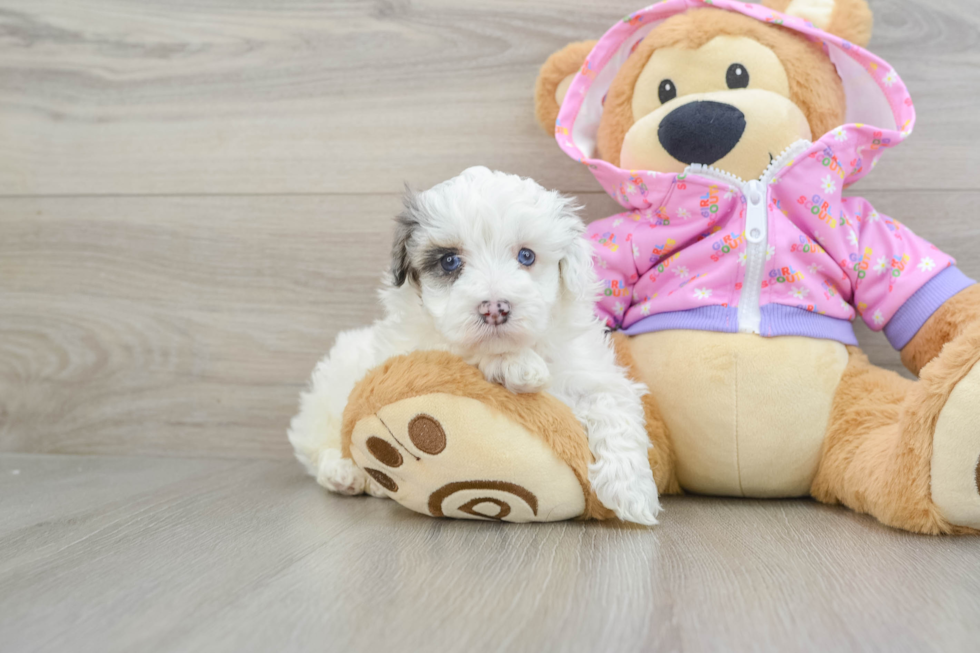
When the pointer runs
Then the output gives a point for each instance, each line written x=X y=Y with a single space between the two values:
x=667 y=91
x=737 y=76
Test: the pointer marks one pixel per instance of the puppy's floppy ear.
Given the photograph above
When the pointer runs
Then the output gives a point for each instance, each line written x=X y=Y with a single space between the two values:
x=406 y=223
x=848 y=19
x=577 y=274
x=553 y=81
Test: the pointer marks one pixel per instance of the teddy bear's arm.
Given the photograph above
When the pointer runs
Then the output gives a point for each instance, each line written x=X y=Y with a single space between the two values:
x=949 y=321
x=553 y=81
x=903 y=285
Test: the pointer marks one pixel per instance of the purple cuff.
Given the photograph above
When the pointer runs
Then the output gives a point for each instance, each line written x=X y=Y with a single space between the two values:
x=920 y=306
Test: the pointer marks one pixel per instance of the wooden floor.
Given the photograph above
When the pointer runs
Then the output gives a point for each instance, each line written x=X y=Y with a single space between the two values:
x=102 y=554
x=195 y=197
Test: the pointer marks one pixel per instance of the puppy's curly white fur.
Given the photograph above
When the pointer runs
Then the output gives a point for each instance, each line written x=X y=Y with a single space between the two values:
x=493 y=268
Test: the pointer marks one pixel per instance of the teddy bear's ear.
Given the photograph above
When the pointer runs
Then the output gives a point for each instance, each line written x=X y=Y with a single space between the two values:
x=848 y=19
x=554 y=79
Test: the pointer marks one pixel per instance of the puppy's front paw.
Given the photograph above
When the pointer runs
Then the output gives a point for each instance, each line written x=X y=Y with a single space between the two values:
x=527 y=374
x=631 y=496
x=523 y=372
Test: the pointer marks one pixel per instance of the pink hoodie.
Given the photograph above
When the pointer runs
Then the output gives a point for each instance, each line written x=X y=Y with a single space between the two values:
x=782 y=255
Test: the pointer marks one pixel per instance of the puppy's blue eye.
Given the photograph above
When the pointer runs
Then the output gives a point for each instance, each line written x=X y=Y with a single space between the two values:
x=450 y=262
x=525 y=257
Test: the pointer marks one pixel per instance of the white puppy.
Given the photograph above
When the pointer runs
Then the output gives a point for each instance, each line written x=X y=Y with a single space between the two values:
x=493 y=268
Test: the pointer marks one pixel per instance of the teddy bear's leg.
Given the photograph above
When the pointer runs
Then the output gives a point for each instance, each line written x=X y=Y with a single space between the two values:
x=443 y=441
x=897 y=449
x=661 y=452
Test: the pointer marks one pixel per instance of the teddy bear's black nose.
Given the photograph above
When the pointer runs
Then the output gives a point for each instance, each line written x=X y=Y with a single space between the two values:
x=701 y=132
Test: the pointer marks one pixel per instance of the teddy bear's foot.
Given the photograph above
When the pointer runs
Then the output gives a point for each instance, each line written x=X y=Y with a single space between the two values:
x=450 y=456
x=955 y=465
x=907 y=452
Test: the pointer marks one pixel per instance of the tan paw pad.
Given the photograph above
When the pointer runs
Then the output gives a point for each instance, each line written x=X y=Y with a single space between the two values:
x=449 y=456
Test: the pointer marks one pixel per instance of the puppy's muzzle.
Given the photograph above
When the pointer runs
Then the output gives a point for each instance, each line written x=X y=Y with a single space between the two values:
x=494 y=312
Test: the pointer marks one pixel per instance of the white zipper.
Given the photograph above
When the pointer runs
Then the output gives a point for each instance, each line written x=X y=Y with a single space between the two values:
x=757 y=244
x=756 y=194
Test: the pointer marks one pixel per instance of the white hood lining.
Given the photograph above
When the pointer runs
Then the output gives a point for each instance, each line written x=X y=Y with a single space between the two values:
x=587 y=121
x=866 y=101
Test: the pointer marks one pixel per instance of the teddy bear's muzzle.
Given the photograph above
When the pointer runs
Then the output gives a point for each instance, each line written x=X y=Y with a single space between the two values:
x=701 y=132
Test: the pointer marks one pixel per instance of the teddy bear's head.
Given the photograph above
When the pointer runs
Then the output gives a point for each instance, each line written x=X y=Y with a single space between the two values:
x=715 y=87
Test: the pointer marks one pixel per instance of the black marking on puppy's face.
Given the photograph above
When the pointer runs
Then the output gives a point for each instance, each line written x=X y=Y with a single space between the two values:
x=406 y=223
x=432 y=264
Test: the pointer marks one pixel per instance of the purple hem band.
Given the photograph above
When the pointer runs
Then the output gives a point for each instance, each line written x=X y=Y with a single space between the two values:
x=920 y=306
x=777 y=320
x=783 y=320
x=706 y=318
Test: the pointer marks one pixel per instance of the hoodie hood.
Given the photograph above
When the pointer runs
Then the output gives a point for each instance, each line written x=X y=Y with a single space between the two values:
x=879 y=112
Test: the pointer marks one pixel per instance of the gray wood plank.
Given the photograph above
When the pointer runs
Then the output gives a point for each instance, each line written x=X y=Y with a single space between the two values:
x=195 y=320
x=253 y=556
x=187 y=326
x=60 y=487
x=206 y=96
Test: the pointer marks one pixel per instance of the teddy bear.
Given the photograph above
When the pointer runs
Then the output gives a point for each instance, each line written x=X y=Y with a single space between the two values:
x=727 y=131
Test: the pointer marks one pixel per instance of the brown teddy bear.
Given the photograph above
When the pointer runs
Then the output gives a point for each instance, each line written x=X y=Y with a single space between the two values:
x=732 y=298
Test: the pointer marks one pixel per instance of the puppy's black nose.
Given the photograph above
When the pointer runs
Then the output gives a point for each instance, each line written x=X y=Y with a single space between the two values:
x=494 y=312
x=701 y=132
